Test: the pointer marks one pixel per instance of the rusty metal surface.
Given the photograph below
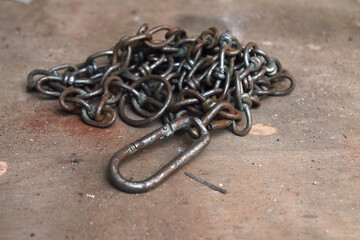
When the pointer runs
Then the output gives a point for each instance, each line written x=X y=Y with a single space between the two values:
x=296 y=175
x=160 y=134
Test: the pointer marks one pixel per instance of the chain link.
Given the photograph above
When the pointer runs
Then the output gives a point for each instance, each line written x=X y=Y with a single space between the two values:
x=213 y=78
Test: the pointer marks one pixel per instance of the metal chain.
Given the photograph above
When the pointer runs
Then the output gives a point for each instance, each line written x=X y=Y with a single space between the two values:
x=212 y=77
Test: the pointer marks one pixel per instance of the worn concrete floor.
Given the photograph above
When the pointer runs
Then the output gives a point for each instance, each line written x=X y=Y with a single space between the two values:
x=300 y=182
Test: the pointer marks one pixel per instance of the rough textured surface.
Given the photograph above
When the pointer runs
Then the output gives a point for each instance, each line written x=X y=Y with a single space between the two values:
x=301 y=181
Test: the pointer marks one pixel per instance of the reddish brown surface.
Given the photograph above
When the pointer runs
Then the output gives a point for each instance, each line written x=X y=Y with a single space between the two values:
x=301 y=181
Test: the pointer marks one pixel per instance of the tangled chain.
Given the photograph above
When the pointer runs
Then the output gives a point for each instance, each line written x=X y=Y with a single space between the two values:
x=213 y=77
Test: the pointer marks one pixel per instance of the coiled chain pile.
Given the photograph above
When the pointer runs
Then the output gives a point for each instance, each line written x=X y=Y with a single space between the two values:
x=213 y=77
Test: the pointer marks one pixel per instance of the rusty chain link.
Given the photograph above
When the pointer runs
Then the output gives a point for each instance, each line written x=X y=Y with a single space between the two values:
x=212 y=77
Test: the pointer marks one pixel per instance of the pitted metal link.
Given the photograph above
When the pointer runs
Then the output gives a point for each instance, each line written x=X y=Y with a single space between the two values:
x=167 y=130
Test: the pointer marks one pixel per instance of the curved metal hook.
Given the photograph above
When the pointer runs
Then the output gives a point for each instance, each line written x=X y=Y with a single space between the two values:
x=244 y=131
x=167 y=130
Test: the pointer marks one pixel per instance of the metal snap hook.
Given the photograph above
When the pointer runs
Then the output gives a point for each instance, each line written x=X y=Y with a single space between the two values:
x=167 y=130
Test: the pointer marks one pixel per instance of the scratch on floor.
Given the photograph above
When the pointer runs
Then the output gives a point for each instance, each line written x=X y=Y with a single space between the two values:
x=260 y=129
x=3 y=167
